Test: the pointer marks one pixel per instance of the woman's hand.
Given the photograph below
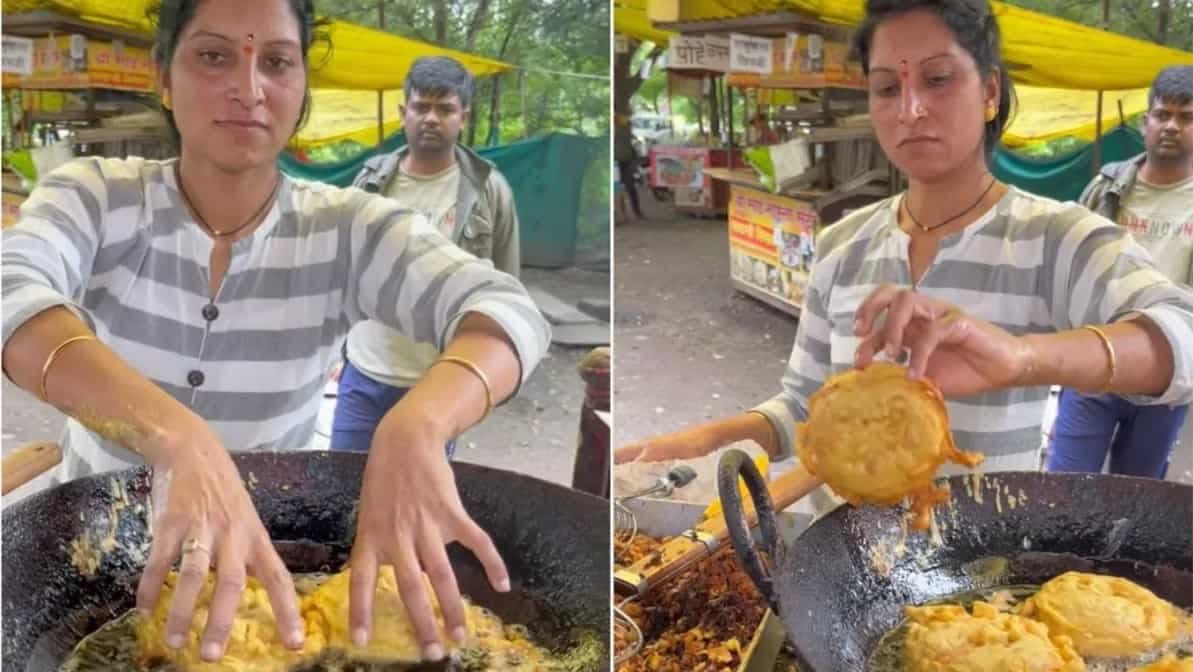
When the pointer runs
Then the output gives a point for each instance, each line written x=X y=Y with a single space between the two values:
x=410 y=510
x=203 y=513
x=960 y=353
x=682 y=445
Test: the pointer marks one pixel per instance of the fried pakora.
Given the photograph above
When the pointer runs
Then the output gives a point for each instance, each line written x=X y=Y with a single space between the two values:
x=254 y=646
x=947 y=638
x=253 y=642
x=394 y=638
x=876 y=436
x=1106 y=616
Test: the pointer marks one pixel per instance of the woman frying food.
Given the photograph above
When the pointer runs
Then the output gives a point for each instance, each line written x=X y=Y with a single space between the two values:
x=992 y=293
x=183 y=309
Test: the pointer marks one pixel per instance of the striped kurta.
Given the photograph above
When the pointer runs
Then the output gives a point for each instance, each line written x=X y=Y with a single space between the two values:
x=1030 y=266
x=113 y=240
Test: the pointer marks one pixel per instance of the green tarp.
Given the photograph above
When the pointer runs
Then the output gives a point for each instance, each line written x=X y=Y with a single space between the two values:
x=547 y=175
x=1066 y=177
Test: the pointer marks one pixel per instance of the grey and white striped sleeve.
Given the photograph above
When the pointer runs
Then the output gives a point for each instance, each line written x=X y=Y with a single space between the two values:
x=809 y=364
x=1102 y=275
x=47 y=255
x=410 y=277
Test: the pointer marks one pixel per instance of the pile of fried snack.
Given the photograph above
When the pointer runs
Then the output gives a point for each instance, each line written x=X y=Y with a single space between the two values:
x=254 y=644
x=1074 y=619
x=701 y=621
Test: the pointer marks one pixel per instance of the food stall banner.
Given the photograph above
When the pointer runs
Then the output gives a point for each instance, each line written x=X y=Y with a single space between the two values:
x=352 y=57
x=1040 y=50
x=772 y=242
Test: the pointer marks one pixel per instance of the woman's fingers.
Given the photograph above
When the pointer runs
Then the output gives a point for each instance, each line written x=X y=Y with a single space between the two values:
x=269 y=569
x=481 y=544
x=416 y=599
x=872 y=307
x=433 y=554
x=361 y=589
x=924 y=339
x=192 y=575
x=166 y=541
x=229 y=586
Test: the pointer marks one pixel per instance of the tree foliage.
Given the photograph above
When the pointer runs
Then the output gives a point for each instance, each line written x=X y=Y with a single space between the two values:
x=1168 y=22
x=569 y=36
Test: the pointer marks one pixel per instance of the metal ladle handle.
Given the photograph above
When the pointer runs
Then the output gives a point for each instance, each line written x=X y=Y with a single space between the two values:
x=736 y=463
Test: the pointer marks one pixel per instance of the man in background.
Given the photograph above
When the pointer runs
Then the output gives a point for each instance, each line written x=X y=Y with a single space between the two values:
x=1152 y=195
x=627 y=160
x=470 y=202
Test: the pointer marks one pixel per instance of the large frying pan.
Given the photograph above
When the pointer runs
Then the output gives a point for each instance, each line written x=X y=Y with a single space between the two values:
x=837 y=602
x=555 y=542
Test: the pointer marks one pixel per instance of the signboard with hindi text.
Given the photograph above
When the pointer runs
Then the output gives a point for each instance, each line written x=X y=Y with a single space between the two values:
x=771 y=244
x=75 y=62
x=18 y=55
x=750 y=54
x=709 y=52
x=804 y=62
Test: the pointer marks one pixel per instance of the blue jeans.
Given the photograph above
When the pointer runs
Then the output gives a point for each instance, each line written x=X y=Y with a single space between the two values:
x=1085 y=431
x=361 y=402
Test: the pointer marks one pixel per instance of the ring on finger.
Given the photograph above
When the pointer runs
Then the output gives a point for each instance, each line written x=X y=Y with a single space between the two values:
x=193 y=544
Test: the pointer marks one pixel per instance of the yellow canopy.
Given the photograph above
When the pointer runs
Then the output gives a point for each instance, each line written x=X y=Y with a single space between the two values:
x=363 y=58
x=359 y=58
x=629 y=18
x=344 y=78
x=338 y=115
x=1039 y=49
x=1047 y=114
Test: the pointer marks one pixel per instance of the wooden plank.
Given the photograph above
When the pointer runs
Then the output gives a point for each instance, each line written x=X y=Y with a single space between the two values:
x=42 y=23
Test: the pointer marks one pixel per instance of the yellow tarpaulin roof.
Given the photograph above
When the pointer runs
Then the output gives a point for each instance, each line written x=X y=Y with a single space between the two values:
x=363 y=58
x=338 y=115
x=1057 y=91
x=630 y=19
x=1041 y=50
x=359 y=58
x=1047 y=114
x=345 y=78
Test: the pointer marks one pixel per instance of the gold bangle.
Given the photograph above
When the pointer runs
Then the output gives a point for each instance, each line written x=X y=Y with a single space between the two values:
x=45 y=369
x=1109 y=347
x=476 y=371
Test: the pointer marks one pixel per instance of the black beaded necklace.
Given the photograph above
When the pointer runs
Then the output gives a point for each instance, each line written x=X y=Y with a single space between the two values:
x=954 y=218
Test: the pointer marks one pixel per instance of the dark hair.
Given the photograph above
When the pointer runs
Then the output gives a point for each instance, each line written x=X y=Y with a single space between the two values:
x=1174 y=85
x=976 y=30
x=171 y=17
x=439 y=76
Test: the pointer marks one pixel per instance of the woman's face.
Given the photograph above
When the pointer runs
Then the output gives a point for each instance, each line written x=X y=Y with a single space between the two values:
x=927 y=98
x=237 y=82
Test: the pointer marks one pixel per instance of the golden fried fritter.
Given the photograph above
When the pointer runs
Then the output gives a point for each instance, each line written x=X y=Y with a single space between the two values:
x=876 y=436
x=393 y=639
x=1106 y=616
x=253 y=644
x=947 y=638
